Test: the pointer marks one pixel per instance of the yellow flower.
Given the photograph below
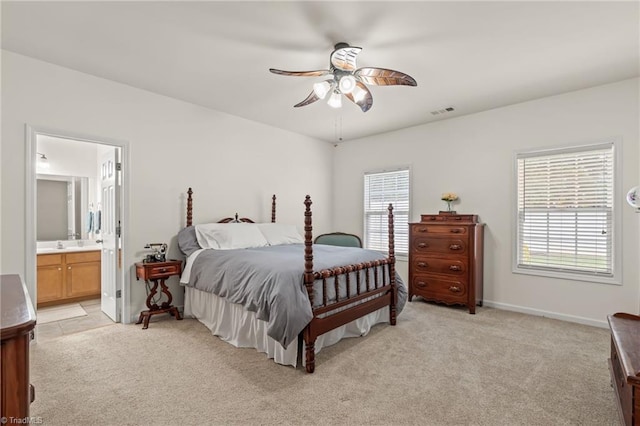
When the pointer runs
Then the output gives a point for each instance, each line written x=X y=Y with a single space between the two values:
x=449 y=196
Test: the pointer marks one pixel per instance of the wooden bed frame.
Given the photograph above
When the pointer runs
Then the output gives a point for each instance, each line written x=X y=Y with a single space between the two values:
x=371 y=296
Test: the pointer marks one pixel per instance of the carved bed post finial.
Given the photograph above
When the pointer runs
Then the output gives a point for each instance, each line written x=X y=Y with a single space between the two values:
x=392 y=269
x=308 y=248
x=309 y=335
x=189 y=208
x=273 y=209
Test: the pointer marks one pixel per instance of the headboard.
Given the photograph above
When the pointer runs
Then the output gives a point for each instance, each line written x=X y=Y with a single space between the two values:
x=226 y=219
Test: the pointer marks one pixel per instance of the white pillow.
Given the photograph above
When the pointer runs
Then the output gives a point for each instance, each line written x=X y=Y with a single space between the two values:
x=279 y=233
x=227 y=236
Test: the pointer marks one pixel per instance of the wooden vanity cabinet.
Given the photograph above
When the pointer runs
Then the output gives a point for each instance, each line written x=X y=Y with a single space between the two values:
x=68 y=277
x=50 y=278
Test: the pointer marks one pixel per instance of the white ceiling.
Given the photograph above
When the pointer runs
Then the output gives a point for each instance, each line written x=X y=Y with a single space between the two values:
x=472 y=56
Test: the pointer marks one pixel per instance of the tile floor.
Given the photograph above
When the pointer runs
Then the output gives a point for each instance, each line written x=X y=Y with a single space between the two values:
x=94 y=319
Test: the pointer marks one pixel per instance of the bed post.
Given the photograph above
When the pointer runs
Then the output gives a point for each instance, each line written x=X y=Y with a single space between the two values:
x=273 y=209
x=309 y=337
x=189 y=208
x=392 y=269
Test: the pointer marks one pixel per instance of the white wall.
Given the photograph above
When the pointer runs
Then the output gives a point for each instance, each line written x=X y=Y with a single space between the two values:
x=68 y=157
x=473 y=156
x=234 y=165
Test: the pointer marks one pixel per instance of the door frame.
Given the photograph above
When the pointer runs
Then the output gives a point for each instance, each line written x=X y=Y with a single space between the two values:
x=31 y=134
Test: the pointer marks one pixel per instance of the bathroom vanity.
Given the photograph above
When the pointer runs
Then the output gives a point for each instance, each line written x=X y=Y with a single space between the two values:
x=68 y=275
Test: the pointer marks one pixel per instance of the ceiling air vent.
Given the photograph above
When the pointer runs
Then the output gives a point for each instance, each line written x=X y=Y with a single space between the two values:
x=443 y=111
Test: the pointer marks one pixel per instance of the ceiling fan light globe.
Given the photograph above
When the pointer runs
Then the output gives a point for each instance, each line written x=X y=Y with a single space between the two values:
x=335 y=101
x=347 y=84
x=321 y=89
x=359 y=94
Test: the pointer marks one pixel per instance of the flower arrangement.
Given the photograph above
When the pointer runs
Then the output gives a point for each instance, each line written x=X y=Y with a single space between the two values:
x=449 y=197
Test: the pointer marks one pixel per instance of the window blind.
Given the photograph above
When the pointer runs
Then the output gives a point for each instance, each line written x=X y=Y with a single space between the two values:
x=565 y=210
x=380 y=189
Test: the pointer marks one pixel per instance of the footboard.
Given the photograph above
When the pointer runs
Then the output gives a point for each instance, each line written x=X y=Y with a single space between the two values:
x=346 y=292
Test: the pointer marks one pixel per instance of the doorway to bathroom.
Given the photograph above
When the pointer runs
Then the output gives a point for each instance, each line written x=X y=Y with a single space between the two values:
x=77 y=188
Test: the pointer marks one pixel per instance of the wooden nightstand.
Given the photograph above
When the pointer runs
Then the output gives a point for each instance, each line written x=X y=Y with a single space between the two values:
x=158 y=272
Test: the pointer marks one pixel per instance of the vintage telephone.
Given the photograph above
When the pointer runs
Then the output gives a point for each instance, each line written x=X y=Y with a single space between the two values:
x=159 y=252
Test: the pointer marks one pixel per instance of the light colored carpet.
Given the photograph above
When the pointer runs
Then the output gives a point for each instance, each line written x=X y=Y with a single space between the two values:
x=438 y=366
x=58 y=313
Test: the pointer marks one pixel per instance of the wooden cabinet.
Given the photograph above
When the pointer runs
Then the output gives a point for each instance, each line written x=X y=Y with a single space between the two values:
x=68 y=277
x=624 y=365
x=17 y=322
x=446 y=259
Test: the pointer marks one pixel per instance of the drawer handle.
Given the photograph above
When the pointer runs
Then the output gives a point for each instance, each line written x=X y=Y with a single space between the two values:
x=163 y=270
x=432 y=218
x=455 y=268
x=455 y=247
x=455 y=231
x=457 y=218
x=454 y=289
x=423 y=264
x=421 y=284
x=423 y=230
x=423 y=245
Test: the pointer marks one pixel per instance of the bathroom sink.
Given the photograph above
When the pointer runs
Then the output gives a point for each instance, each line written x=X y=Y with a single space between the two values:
x=50 y=249
x=46 y=250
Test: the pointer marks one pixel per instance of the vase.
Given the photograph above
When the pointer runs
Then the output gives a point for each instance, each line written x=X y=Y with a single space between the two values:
x=449 y=206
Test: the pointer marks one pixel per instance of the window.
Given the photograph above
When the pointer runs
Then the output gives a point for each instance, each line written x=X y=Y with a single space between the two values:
x=565 y=212
x=381 y=189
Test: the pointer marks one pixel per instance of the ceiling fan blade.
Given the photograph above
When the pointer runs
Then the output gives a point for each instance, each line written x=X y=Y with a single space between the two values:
x=344 y=58
x=309 y=100
x=365 y=101
x=301 y=73
x=384 y=77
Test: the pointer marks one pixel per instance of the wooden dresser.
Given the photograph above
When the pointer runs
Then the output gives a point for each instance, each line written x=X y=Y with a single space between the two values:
x=17 y=321
x=624 y=365
x=446 y=259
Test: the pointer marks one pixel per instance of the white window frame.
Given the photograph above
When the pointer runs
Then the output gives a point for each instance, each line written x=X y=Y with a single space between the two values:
x=399 y=253
x=616 y=243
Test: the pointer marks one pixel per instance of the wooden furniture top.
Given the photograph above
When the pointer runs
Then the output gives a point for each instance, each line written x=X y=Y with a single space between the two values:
x=17 y=314
x=625 y=334
x=446 y=217
x=158 y=270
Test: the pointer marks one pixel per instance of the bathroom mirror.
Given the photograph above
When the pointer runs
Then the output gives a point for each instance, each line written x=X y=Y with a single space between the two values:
x=62 y=207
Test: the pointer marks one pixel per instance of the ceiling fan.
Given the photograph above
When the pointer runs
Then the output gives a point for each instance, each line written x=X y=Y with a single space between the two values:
x=348 y=80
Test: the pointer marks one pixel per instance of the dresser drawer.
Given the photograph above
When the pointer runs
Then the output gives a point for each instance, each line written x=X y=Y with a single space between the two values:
x=84 y=256
x=438 y=230
x=457 y=267
x=434 y=245
x=448 y=218
x=150 y=271
x=623 y=390
x=49 y=259
x=447 y=290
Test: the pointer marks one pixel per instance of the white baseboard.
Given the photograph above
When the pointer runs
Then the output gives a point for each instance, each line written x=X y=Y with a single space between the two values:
x=547 y=314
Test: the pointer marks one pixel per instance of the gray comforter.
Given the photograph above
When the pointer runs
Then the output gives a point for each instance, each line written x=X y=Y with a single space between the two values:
x=268 y=281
